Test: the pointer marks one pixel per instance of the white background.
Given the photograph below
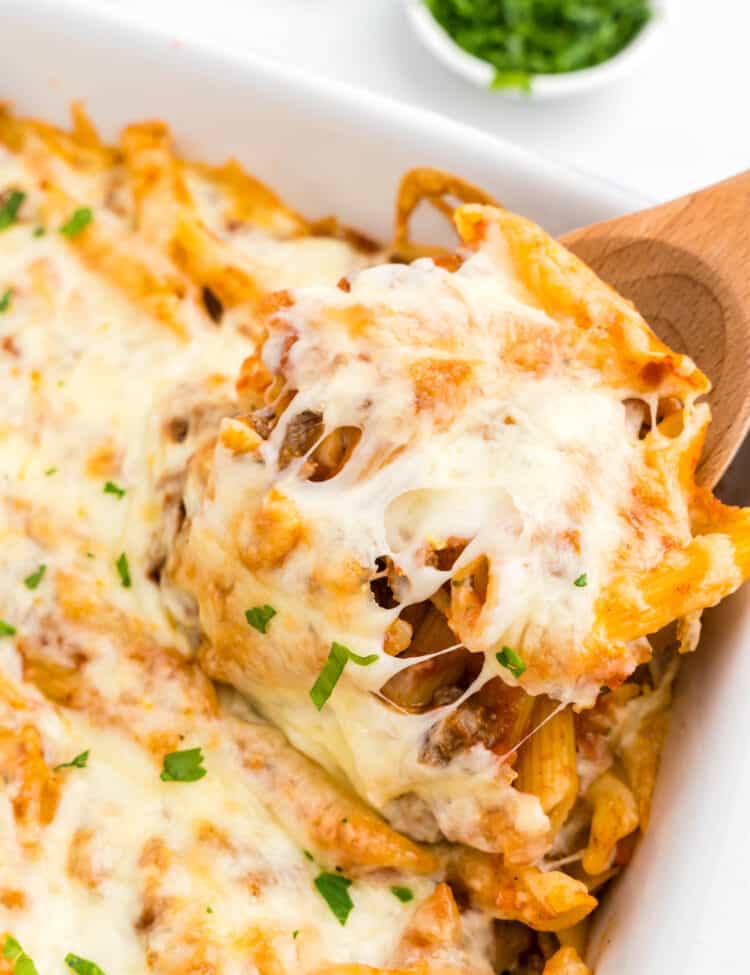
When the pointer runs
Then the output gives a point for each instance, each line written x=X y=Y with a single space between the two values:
x=683 y=120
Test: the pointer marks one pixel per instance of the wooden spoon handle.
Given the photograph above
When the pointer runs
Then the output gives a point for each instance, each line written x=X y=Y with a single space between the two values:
x=686 y=266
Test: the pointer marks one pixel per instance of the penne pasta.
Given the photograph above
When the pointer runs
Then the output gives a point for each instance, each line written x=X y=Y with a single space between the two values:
x=547 y=761
x=545 y=901
x=615 y=816
x=576 y=937
x=339 y=828
x=566 y=962
x=435 y=187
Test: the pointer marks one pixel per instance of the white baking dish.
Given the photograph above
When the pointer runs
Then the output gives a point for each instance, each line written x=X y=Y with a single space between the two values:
x=680 y=908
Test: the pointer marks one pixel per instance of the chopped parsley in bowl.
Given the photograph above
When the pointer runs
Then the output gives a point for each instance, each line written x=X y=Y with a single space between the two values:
x=552 y=46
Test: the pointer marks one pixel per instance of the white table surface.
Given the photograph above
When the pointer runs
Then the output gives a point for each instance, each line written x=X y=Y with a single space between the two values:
x=680 y=122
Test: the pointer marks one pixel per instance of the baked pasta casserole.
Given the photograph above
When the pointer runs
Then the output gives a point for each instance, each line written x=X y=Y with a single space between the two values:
x=343 y=585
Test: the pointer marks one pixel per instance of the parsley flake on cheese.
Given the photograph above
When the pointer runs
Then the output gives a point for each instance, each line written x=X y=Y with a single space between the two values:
x=334 y=889
x=403 y=893
x=82 y=966
x=259 y=617
x=123 y=570
x=80 y=761
x=33 y=580
x=22 y=964
x=511 y=661
x=76 y=222
x=10 y=207
x=11 y=948
x=332 y=670
x=184 y=766
x=111 y=488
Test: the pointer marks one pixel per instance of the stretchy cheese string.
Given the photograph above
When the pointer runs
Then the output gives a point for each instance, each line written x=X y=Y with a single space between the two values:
x=395 y=665
x=547 y=865
x=560 y=707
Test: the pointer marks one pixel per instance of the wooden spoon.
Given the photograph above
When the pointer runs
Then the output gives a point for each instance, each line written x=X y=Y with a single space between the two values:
x=686 y=267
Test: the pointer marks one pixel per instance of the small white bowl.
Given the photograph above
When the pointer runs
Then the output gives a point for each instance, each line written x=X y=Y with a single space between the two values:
x=481 y=73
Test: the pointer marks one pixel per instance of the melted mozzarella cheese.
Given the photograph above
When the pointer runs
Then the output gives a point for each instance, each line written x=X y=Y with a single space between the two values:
x=481 y=427
x=295 y=263
x=228 y=866
x=507 y=471
x=130 y=871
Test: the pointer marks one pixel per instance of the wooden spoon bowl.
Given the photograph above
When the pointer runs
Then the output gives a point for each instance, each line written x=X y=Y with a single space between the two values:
x=686 y=266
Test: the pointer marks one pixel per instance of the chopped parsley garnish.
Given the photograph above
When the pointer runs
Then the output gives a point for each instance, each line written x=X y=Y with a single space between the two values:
x=22 y=964
x=523 y=38
x=511 y=661
x=124 y=570
x=111 y=488
x=9 y=208
x=295 y=934
x=6 y=629
x=80 y=761
x=403 y=894
x=38 y=232
x=334 y=889
x=5 y=299
x=11 y=948
x=77 y=221
x=50 y=471
x=259 y=617
x=521 y=80
x=308 y=855
x=32 y=581
x=185 y=766
x=581 y=581
x=332 y=670
x=82 y=965
x=209 y=909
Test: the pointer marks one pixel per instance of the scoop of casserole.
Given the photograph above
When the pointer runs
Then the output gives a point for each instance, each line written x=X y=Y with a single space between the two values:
x=460 y=497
